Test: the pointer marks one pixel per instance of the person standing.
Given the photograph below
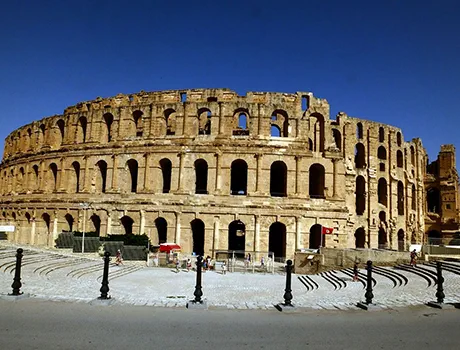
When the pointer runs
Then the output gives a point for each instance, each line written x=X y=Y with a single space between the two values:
x=413 y=258
x=118 y=258
x=355 y=272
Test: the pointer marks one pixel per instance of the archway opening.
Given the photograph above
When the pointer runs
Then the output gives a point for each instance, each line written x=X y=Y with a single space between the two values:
x=360 y=238
x=237 y=237
x=277 y=241
x=198 y=236
x=315 y=237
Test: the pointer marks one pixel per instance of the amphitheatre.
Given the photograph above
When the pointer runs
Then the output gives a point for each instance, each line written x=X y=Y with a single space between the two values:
x=211 y=170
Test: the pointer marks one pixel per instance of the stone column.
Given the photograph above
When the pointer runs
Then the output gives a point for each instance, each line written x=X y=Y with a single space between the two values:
x=256 y=233
x=86 y=178
x=216 y=234
x=177 y=238
x=218 y=172
x=27 y=188
x=181 y=171
x=147 y=157
x=142 y=222
x=298 y=233
x=258 y=171
x=32 y=231
x=334 y=179
x=109 y=223
x=61 y=175
x=115 y=173
x=297 y=175
x=55 y=229
x=42 y=177
x=221 y=122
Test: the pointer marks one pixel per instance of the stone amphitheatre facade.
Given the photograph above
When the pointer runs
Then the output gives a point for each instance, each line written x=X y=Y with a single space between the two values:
x=212 y=170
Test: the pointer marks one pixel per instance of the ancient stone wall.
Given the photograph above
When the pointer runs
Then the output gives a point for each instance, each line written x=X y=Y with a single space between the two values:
x=212 y=170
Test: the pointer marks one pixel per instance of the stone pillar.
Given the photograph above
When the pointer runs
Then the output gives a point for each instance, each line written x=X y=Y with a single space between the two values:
x=216 y=235
x=27 y=187
x=256 y=233
x=181 y=171
x=177 y=239
x=221 y=122
x=297 y=175
x=86 y=178
x=147 y=158
x=61 y=175
x=258 y=171
x=115 y=173
x=218 y=172
x=109 y=223
x=142 y=222
x=42 y=177
x=298 y=233
x=32 y=231
x=334 y=178
x=55 y=229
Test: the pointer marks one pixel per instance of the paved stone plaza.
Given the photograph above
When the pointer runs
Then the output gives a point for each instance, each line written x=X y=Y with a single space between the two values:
x=57 y=275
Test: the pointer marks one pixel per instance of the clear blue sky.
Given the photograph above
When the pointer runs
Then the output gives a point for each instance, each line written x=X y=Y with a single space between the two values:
x=395 y=62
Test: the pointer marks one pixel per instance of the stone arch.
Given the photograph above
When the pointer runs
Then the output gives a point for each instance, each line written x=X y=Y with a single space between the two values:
x=412 y=155
x=170 y=121
x=381 y=134
x=138 y=123
x=53 y=169
x=41 y=135
x=316 y=181
x=400 y=198
x=241 y=122
x=237 y=237
x=382 y=191
x=133 y=168
x=278 y=179
x=75 y=179
x=70 y=221
x=401 y=240
x=162 y=230
x=21 y=177
x=310 y=144
x=337 y=136
x=28 y=139
x=359 y=131
x=414 y=198
x=101 y=179
x=280 y=120
x=360 y=195
x=204 y=121
x=201 y=176
x=399 y=159
x=398 y=139
x=277 y=240
x=82 y=126
x=315 y=240
x=198 y=235
x=360 y=156
x=382 y=156
x=36 y=173
x=239 y=177
x=127 y=222
x=360 y=238
x=96 y=222
x=61 y=127
x=107 y=133
x=166 y=169
x=319 y=132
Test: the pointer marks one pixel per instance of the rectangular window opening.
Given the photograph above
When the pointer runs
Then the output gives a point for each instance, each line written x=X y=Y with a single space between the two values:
x=183 y=97
x=304 y=102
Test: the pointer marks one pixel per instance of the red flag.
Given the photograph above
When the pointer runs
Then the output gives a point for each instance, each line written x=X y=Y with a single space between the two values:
x=326 y=230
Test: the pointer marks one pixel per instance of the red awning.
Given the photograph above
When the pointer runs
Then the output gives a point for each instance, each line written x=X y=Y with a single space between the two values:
x=167 y=247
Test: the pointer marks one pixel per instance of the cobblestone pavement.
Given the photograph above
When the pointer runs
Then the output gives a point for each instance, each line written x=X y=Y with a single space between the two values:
x=55 y=275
